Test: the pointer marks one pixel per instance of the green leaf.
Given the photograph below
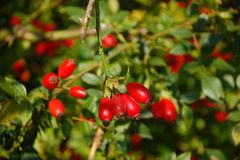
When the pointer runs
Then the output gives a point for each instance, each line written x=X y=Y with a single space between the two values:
x=238 y=81
x=118 y=16
x=30 y=156
x=184 y=125
x=115 y=69
x=156 y=61
x=13 y=88
x=95 y=93
x=234 y=116
x=145 y=132
x=189 y=97
x=182 y=33
x=91 y=105
x=123 y=127
x=181 y=48
x=222 y=65
x=8 y=112
x=184 y=156
x=66 y=127
x=74 y=11
x=231 y=99
x=91 y=79
x=215 y=154
x=212 y=87
x=25 y=111
x=236 y=134
x=12 y=110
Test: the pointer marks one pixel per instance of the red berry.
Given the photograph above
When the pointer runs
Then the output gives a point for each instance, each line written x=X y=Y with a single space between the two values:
x=50 y=81
x=105 y=112
x=38 y=24
x=206 y=10
x=25 y=76
x=206 y=102
x=133 y=109
x=224 y=56
x=177 y=61
x=182 y=4
x=164 y=109
x=169 y=112
x=118 y=106
x=18 y=67
x=56 y=107
x=136 y=140
x=41 y=48
x=157 y=110
x=49 y=27
x=66 y=68
x=109 y=41
x=14 y=21
x=221 y=116
x=78 y=92
x=139 y=92
x=69 y=43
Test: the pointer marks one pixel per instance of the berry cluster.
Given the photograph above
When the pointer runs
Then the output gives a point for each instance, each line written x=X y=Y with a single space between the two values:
x=50 y=47
x=21 y=70
x=44 y=27
x=51 y=80
x=124 y=105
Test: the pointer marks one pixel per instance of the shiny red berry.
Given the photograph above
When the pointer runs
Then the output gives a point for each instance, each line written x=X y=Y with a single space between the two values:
x=164 y=109
x=139 y=92
x=105 y=112
x=14 y=21
x=56 y=107
x=50 y=81
x=133 y=109
x=221 y=116
x=157 y=110
x=109 y=41
x=66 y=68
x=118 y=106
x=77 y=92
x=169 y=110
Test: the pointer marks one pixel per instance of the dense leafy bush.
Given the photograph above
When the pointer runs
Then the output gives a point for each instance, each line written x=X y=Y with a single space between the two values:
x=69 y=95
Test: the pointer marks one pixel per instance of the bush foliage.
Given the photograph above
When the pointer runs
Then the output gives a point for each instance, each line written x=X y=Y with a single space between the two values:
x=184 y=50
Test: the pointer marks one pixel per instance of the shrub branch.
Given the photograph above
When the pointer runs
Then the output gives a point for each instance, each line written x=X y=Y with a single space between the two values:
x=86 y=19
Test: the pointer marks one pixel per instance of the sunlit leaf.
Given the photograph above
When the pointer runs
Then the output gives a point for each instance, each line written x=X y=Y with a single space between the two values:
x=236 y=134
x=212 y=87
x=215 y=154
x=184 y=156
x=91 y=79
x=13 y=88
x=144 y=131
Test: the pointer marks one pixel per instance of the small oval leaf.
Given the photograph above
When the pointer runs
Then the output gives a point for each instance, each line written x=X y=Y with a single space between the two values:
x=91 y=79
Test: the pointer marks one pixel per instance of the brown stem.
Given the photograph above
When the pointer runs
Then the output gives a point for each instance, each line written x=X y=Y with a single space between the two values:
x=86 y=19
x=96 y=143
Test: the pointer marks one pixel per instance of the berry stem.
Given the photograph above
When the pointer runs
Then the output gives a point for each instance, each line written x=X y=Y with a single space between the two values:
x=100 y=50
